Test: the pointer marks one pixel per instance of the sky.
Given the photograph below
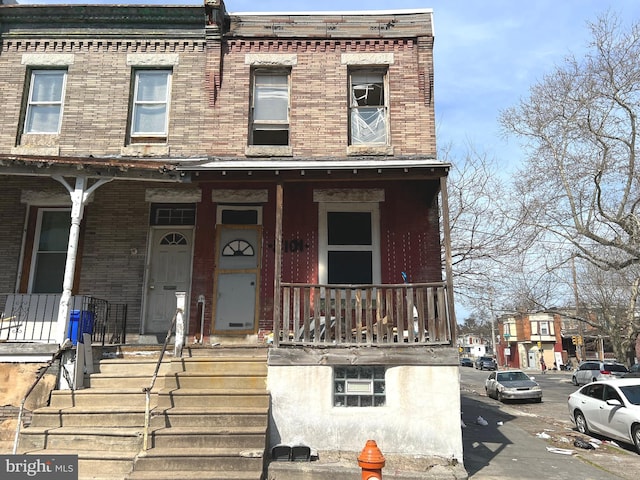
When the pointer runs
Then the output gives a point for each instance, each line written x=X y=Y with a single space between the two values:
x=487 y=54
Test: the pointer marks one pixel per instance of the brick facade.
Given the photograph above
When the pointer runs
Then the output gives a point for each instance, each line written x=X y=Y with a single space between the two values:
x=209 y=118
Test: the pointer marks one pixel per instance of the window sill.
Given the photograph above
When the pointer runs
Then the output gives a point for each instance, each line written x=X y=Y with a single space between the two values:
x=381 y=150
x=268 y=151
x=36 y=150
x=145 y=150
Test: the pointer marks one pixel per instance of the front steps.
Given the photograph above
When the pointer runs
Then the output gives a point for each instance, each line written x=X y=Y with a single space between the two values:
x=208 y=420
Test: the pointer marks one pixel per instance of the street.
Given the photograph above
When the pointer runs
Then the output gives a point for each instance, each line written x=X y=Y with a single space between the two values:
x=524 y=440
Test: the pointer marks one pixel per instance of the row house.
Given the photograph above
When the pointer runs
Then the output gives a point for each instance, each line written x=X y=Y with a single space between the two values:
x=524 y=340
x=277 y=169
x=473 y=345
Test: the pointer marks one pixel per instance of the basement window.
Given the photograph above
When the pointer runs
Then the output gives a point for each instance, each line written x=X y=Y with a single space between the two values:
x=361 y=386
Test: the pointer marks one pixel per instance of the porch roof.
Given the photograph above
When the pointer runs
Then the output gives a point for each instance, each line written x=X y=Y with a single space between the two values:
x=363 y=167
x=96 y=167
x=181 y=169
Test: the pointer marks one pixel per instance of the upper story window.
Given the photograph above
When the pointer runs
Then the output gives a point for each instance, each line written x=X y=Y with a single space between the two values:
x=368 y=107
x=270 y=108
x=150 y=105
x=45 y=101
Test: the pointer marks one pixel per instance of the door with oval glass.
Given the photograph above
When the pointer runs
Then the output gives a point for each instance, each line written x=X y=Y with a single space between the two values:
x=169 y=272
x=236 y=279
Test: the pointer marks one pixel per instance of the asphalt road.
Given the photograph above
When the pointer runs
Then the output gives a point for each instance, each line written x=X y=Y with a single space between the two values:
x=523 y=440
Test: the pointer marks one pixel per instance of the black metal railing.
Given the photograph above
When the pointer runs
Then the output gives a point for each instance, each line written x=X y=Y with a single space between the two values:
x=33 y=317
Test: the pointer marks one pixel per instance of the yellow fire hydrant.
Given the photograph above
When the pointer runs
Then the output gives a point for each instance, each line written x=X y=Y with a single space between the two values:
x=371 y=461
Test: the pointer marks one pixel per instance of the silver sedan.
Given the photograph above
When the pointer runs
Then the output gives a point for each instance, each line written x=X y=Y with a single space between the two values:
x=512 y=385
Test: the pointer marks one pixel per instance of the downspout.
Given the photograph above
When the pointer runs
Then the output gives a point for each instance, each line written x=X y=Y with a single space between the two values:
x=79 y=197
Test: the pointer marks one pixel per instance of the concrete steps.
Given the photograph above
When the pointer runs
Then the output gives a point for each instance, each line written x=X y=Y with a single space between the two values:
x=209 y=418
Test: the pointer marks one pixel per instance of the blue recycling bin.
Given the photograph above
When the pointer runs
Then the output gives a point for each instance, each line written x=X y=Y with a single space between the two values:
x=80 y=322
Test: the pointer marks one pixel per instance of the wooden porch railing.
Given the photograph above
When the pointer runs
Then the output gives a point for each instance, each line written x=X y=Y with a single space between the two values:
x=390 y=314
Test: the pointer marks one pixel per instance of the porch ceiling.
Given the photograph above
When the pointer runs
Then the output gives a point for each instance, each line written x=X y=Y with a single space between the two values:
x=94 y=167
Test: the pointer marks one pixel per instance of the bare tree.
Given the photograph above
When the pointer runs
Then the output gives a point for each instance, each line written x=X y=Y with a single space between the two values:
x=606 y=303
x=481 y=236
x=578 y=192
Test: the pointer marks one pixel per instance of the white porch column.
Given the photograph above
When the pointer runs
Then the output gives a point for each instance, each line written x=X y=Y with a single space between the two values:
x=79 y=197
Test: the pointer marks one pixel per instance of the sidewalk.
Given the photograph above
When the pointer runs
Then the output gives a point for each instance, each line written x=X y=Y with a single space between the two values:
x=503 y=449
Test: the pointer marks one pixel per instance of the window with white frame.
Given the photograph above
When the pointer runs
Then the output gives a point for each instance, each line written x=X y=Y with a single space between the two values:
x=368 y=107
x=150 y=105
x=50 y=250
x=45 y=101
x=349 y=243
x=270 y=108
x=543 y=328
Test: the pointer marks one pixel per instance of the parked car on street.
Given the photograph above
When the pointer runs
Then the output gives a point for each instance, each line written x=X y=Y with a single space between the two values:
x=634 y=372
x=486 y=363
x=512 y=385
x=610 y=408
x=594 y=370
x=466 y=362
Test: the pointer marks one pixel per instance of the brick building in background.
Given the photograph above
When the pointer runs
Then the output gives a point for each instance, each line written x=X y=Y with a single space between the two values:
x=270 y=166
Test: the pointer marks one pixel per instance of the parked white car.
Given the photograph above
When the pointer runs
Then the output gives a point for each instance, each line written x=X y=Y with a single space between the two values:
x=594 y=370
x=610 y=408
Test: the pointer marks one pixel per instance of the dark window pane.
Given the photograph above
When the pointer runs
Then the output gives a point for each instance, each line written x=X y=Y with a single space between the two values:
x=350 y=267
x=49 y=273
x=349 y=228
x=271 y=137
x=240 y=217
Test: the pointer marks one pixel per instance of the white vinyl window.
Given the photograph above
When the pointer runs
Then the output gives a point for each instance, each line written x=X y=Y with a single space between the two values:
x=150 y=105
x=270 y=108
x=349 y=243
x=368 y=107
x=45 y=101
x=50 y=250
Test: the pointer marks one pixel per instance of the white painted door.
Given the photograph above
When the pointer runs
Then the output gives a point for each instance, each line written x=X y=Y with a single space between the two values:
x=169 y=272
x=236 y=279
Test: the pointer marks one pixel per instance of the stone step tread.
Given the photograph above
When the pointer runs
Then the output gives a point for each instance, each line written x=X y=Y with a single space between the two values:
x=227 y=373
x=226 y=430
x=195 y=475
x=88 y=409
x=210 y=410
x=102 y=391
x=85 y=430
x=213 y=391
x=200 y=452
x=104 y=454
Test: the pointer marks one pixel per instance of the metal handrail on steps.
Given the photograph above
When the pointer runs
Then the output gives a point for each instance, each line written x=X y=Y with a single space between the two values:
x=62 y=348
x=147 y=390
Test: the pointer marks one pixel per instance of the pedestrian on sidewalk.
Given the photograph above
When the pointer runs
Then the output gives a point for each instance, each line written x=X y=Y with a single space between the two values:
x=543 y=366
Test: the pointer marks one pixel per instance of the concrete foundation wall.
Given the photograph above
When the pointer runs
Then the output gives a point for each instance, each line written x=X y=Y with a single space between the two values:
x=421 y=416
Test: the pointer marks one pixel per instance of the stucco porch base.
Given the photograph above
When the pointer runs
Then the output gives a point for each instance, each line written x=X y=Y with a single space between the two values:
x=344 y=466
x=420 y=418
